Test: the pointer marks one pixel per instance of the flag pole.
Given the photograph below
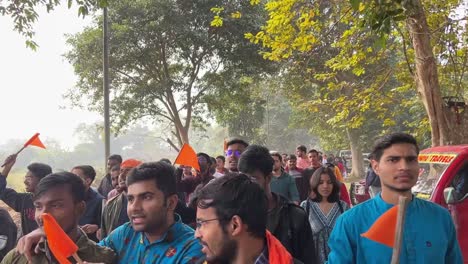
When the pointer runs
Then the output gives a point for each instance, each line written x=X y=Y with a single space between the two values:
x=402 y=205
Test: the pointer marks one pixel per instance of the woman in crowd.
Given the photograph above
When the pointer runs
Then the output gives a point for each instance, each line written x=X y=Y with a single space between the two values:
x=323 y=207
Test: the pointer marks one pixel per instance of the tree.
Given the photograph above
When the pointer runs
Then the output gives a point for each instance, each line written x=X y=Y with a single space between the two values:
x=297 y=26
x=162 y=55
x=24 y=13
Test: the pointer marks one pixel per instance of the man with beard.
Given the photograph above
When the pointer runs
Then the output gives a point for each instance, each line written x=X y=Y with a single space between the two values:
x=115 y=172
x=231 y=224
x=429 y=234
x=114 y=213
x=23 y=202
x=235 y=147
x=62 y=195
x=286 y=220
x=155 y=234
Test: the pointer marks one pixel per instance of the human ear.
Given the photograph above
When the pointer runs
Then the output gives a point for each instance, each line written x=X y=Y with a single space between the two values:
x=171 y=202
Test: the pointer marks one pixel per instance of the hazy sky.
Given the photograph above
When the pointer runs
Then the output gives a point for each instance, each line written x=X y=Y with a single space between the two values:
x=32 y=82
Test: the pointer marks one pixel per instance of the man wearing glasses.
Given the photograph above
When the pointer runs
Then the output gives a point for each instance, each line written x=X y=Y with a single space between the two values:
x=235 y=147
x=231 y=223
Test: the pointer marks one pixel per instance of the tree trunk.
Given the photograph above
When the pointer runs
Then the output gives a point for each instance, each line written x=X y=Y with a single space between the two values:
x=184 y=135
x=426 y=77
x=357 y=161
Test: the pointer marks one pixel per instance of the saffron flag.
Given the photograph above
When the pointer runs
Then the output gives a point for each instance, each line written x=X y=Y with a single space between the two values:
x=384 y=228
x=34 y=141
x=58 y=241
x=187 y=157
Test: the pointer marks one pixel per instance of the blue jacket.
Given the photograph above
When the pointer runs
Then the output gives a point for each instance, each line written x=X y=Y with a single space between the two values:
x=428 y=235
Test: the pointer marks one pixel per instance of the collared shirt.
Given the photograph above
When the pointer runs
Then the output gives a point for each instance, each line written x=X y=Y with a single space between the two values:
x=87 y=251
x=263 y=257
x=178 y=245
x=285 y=185
x=21 y=203
x=428 y=237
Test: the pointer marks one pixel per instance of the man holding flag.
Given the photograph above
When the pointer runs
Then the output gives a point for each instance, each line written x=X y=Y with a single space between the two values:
x=23 y=202
x=428 y=231
x=62 y=197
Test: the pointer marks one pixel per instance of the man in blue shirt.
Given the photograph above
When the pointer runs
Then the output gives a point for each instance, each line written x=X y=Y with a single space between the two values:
x=428 y=233
x=155 y=234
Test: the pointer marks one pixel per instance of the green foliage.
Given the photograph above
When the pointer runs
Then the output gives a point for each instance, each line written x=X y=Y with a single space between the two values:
x=163 y=53
x=24 y=13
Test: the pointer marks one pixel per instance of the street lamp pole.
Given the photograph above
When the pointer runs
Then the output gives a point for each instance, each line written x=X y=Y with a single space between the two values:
x=105 y=58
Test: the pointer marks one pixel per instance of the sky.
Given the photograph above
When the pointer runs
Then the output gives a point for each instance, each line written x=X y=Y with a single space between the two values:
x=33 y=82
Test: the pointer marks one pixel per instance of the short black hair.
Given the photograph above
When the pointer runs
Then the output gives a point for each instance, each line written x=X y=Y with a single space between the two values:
x=387 y=141
x=206 y=156
x=302 y=148
x=39 y=170
x=256 y=157
x=166 y=160
x=221 y=158
x=62 y=179
x=292 y=157
x=236 y=194
x=276 y=154
x=162 y=173
x=315 y=181
x=314 y=151
x=87 y=170
x=116 y=157
x=233 y=141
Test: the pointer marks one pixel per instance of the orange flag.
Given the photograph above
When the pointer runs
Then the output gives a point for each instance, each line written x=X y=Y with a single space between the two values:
x=383 y=229
x=187 y=157
x=34 y=141
x=58 y=241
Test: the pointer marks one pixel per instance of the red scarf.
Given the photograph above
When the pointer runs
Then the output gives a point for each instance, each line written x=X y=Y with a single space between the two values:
x=276 y=251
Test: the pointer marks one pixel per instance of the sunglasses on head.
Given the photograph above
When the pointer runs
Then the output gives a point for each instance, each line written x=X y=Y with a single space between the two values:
x=231 y=152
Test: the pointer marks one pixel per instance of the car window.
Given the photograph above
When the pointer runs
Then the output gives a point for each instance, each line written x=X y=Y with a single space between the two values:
x=460 y=182
x=429 y=175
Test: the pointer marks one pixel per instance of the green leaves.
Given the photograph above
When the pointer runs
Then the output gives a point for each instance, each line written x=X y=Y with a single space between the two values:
x=355 y=4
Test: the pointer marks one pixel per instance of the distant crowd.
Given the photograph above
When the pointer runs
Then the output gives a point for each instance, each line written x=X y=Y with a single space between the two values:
x=248 y=206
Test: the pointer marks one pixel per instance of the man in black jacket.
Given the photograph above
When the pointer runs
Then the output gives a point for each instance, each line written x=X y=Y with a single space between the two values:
x=23 y=202
x=286 y=221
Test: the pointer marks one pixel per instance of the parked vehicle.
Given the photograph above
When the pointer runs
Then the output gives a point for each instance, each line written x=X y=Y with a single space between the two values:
x=443 y=179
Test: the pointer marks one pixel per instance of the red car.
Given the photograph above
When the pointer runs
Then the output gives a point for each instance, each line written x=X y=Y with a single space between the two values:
x=443 y=179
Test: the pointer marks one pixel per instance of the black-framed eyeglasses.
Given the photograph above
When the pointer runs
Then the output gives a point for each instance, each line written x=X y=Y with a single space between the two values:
x=199 y=223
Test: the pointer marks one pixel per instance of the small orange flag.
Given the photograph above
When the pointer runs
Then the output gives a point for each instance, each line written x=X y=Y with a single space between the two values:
x=187 y=157
x=383 y=229
x=58 y=241
x=34 y=141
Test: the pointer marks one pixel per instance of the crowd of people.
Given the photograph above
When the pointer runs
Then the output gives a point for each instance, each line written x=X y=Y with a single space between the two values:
x=250 y=205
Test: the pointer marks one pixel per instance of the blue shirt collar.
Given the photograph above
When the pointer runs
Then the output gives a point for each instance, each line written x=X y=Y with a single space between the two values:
x=169 y=236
